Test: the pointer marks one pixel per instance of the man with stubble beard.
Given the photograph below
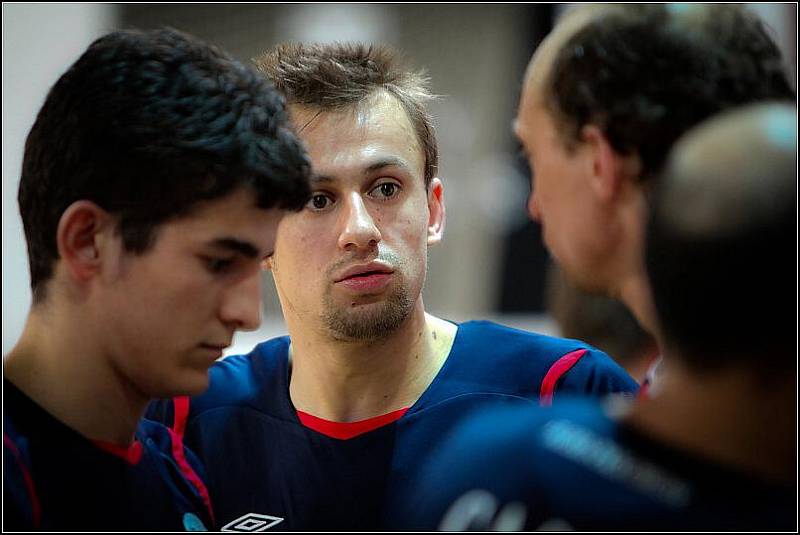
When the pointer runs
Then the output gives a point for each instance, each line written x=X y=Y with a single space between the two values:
x=325 y=428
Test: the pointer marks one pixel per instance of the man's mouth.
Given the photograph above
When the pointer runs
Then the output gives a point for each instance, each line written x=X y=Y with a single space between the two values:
x=364 y=271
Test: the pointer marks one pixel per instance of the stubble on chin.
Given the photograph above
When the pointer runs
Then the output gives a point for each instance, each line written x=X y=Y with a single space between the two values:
x=367 y=323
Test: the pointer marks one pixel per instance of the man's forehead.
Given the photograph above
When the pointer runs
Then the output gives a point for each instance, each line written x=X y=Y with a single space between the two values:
x=379 y=106
x=359 y=138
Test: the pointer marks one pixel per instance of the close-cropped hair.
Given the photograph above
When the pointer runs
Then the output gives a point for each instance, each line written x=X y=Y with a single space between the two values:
x=340 y=75
x=147 y=124
x=645 y=74
x=721 y=247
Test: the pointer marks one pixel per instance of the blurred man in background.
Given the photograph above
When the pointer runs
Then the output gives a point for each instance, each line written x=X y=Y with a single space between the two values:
x=605 y=96
x=716 y=449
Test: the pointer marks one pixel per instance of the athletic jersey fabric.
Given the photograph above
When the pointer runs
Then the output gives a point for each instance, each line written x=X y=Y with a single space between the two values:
x=267 y=469
x=573 y=467
x=55 y=479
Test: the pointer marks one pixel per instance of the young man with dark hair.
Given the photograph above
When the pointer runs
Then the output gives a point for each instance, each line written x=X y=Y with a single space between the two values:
x=325 y=429
x=716 y=449
x=153 y=181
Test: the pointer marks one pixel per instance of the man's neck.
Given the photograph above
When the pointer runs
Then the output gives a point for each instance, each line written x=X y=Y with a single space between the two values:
x=351 y=381
x=630 y=283
x=728 y=416
x=634 y=292
x=62 y=369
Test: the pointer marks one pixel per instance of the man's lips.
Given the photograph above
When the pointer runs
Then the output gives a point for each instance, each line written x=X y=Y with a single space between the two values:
x=364 y=271
x=365 y=278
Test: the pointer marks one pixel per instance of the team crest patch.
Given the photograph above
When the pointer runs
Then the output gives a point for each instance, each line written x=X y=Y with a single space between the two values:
x=252 y=522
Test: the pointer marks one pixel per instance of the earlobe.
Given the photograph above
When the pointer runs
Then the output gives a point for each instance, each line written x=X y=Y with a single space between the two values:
x=79 y=237
x=436 y=211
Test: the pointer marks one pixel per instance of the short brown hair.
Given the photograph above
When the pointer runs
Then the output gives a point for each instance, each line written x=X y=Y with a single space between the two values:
x=338 y=75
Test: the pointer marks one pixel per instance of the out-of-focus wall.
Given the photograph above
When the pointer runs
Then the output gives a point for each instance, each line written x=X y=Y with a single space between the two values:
x=39 y=43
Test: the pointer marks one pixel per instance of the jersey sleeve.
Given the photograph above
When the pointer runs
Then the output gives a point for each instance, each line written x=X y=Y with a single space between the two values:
x=594 y=374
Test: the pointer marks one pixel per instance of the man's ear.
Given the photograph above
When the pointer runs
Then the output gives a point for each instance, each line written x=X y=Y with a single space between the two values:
x=609 y=168
x=82 y=231
x=436 y=212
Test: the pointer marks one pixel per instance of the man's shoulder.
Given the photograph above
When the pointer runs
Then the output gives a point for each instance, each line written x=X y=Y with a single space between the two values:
x=234 y=381
x=484 y=335
x=563 y=359
x=232 y=373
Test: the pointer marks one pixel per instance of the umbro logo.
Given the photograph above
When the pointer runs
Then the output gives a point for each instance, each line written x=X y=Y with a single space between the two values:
x=252 y=522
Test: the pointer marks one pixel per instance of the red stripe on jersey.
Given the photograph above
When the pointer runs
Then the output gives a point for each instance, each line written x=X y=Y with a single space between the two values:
x=181 y=408
x=556 y=371
x=36 y=509
x=346 y=430
x=131 y=454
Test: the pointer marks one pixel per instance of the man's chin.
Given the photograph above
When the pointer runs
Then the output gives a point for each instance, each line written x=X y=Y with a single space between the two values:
x=365 y=322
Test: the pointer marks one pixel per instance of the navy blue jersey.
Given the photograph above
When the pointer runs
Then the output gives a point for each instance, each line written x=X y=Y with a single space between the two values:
x=574 y=467
x=266 y=467
x=55 y=479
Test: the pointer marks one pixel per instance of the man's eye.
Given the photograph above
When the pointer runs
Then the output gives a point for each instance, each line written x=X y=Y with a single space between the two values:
x=218 y=265
x=319 y=201
x=386 y=190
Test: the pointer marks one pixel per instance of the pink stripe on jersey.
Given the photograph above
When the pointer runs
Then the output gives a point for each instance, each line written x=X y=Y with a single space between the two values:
x=556 y=371
x=181 y=408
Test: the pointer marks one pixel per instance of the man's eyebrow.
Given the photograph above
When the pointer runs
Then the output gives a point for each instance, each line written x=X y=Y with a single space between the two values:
x=321 y=179
x=235 y=245
x=386 y=161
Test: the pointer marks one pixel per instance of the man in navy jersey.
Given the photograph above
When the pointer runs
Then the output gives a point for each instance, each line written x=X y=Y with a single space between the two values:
x=152 y=184
x=715 y=450
x=325 y=429
x=605 y=96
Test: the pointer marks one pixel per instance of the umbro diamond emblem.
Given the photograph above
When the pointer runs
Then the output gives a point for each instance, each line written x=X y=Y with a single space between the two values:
x=252 y=522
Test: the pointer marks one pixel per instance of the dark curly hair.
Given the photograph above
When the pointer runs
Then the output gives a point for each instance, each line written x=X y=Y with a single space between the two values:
x=147 y=124
x=647 y=73
x=338 y=75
